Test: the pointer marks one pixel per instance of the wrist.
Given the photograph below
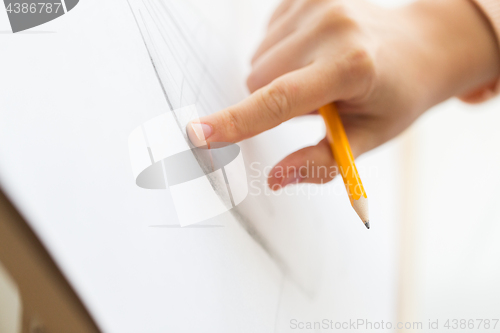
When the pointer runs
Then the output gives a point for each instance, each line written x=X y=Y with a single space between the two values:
x=459 y=52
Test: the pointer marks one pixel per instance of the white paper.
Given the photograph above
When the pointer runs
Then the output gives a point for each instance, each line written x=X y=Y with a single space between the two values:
x=65 y=162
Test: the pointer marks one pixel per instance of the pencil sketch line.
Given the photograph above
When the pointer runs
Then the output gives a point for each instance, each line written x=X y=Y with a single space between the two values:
x=151 y=155
x=193 y=50
x=278 y=306
x=241 y=218
x=228 y=187
x=182 y=89
x=191 y=81
x=169 y=47
x=149 y=54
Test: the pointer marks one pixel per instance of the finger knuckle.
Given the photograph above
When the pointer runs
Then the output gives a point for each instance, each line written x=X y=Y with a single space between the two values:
x=359 y=60
x=360 y=67
x=314 y=2
x=336 y=16
x=234 y=124
x=277 y=100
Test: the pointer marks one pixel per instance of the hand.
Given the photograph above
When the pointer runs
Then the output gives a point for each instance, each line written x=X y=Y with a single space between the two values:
x=382 y=67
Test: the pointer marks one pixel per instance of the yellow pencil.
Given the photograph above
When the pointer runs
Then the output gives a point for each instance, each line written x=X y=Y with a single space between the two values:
x=343 y=155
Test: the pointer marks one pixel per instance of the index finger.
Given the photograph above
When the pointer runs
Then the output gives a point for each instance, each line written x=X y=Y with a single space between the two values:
x=291 y=95
x=283 y=7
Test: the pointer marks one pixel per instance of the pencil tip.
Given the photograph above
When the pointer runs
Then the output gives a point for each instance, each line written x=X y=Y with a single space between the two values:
x=367 y=224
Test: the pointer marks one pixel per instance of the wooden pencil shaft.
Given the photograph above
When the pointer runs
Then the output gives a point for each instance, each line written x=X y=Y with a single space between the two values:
x=342 y=153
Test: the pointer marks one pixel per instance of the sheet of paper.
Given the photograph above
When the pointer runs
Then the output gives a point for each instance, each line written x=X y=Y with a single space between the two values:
x=73 y=96
x=65 y=161
x=203 y=181
x=185 y=58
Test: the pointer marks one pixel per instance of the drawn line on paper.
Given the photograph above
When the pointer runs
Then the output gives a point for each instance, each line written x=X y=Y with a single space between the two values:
x=278 y=306
x=194 y=85
x=228 y=187
x=153 y=63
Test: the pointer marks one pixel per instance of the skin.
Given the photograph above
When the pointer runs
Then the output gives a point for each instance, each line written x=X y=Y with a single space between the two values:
x=383 y=68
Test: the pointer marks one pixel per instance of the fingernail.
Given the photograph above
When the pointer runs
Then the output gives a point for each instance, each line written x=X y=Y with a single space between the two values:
x=199 y=133
x=292 y=180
